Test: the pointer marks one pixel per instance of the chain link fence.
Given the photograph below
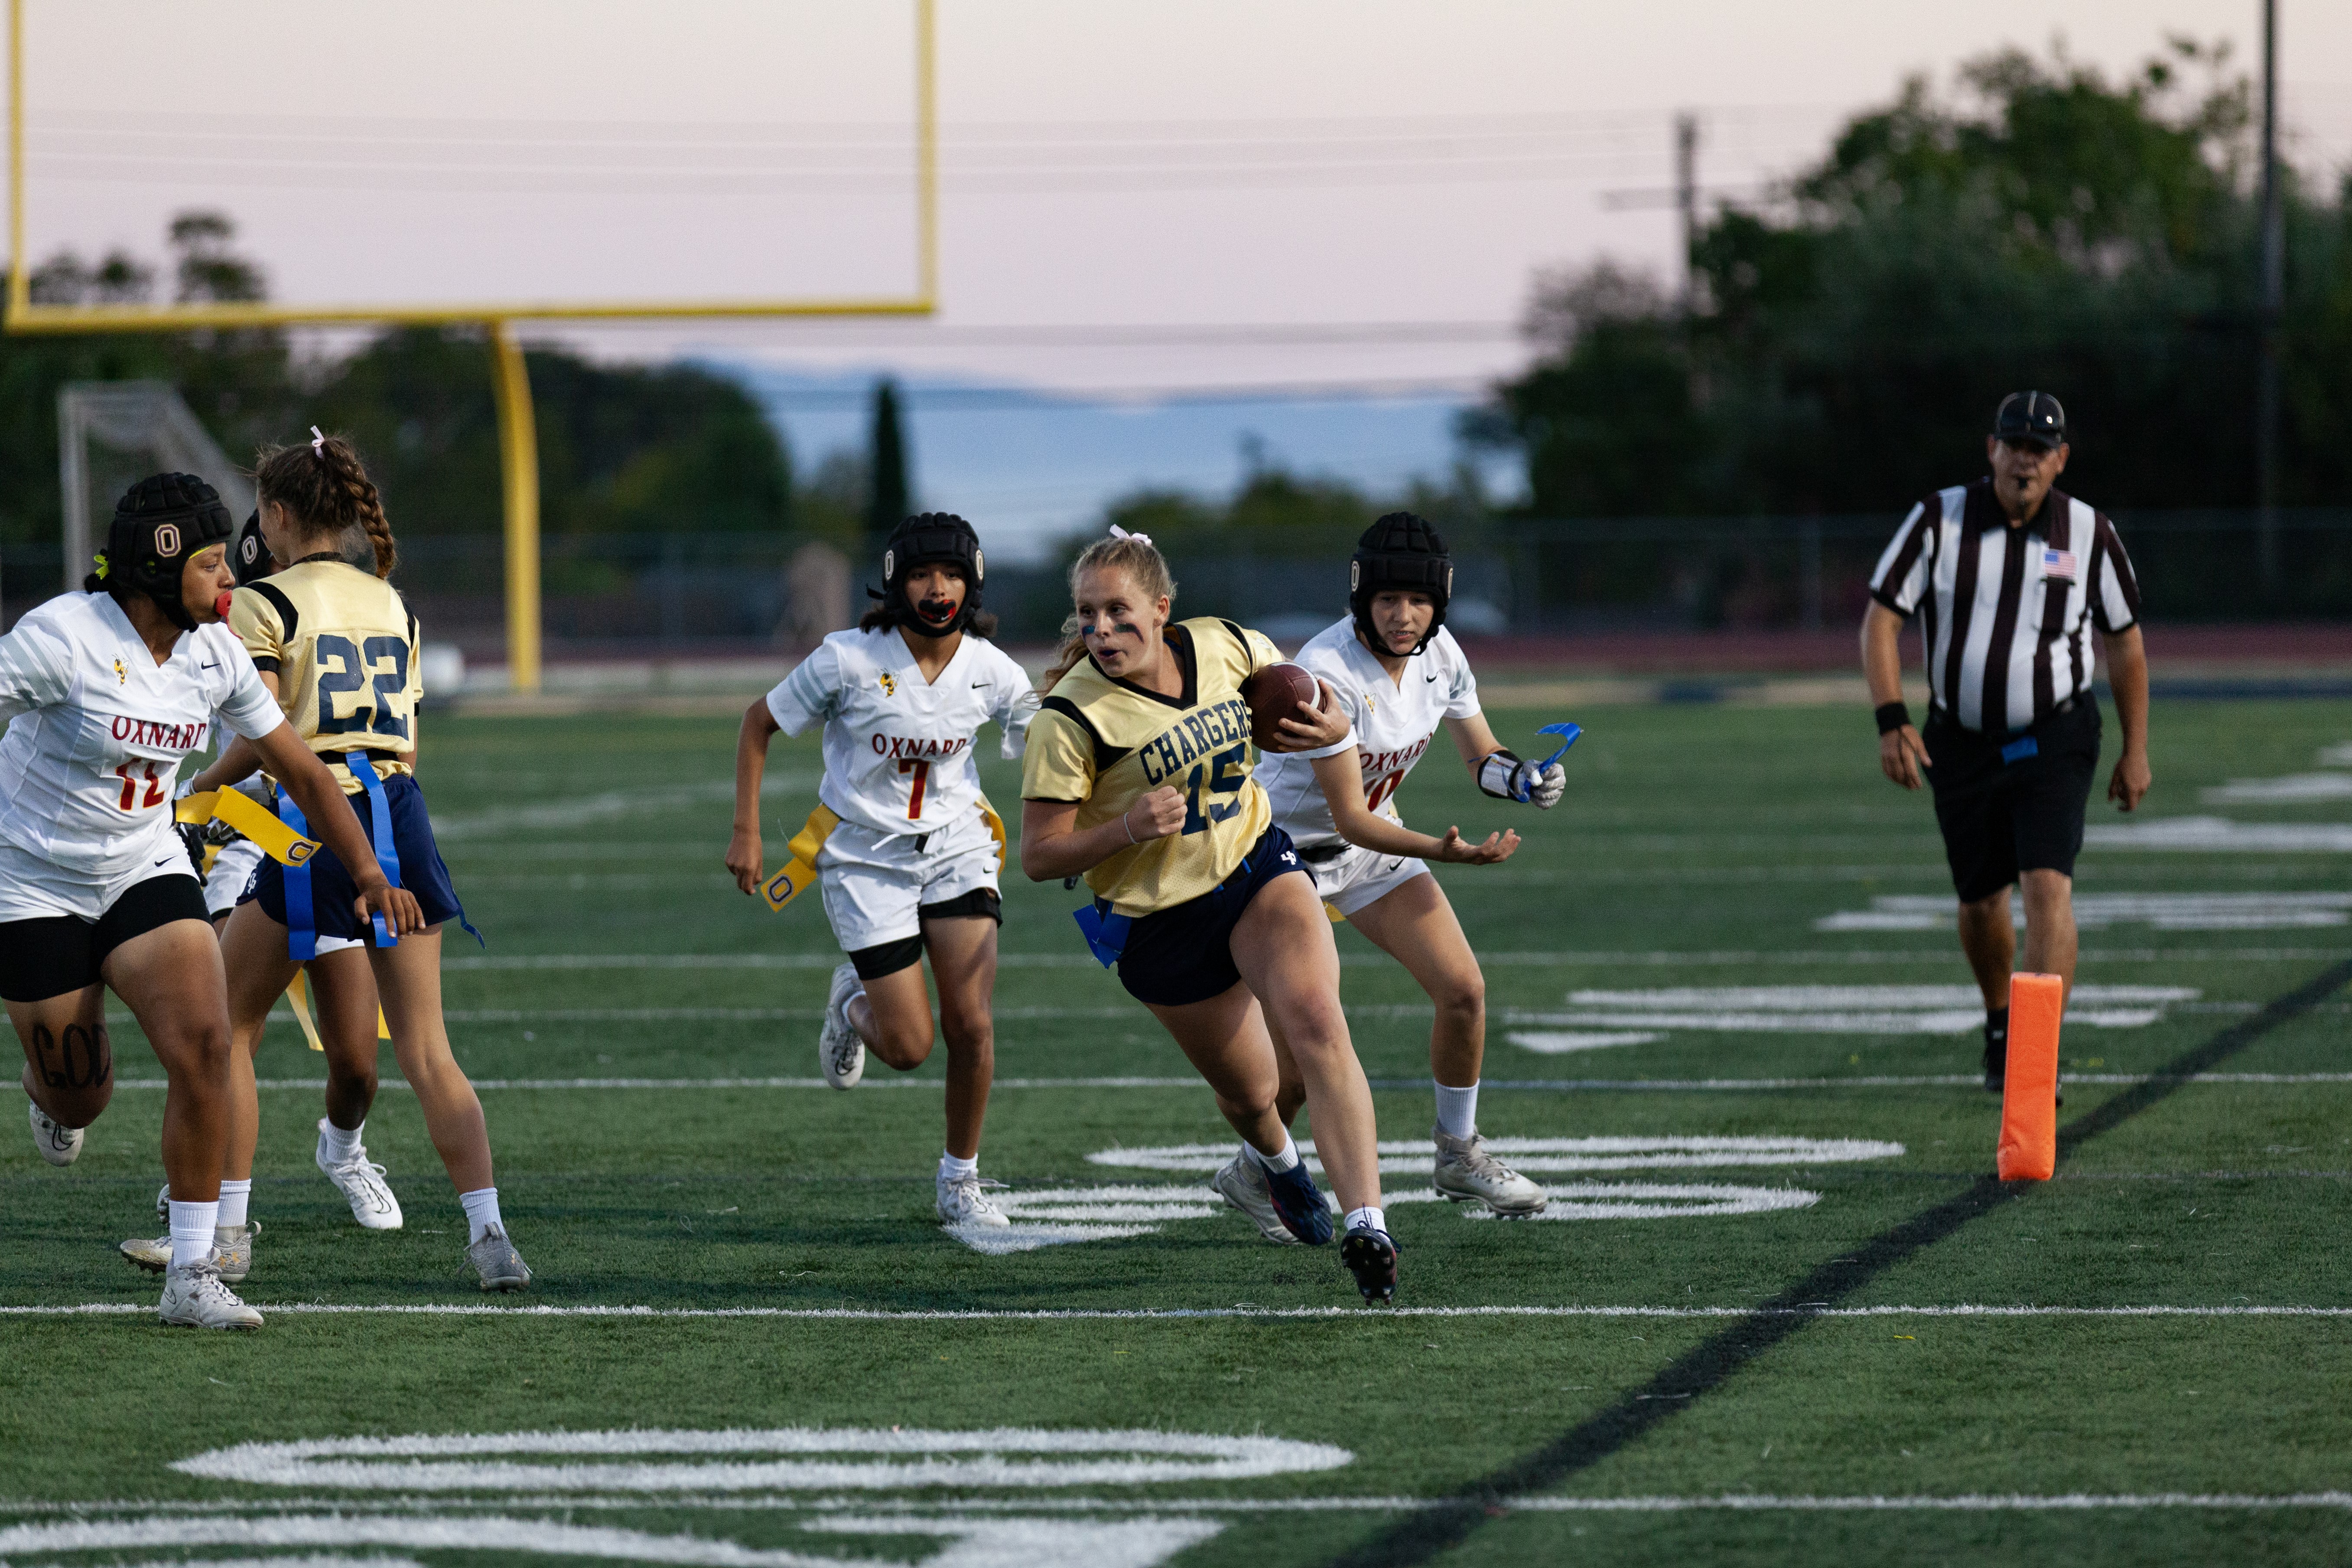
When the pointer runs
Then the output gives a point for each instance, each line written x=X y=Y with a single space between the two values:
x=682 y=595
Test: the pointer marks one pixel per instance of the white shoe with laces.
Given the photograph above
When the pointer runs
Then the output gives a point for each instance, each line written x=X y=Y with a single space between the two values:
x=196 y=1297
x=838 y=1050
x=495 y=1259
x=1465 y=1173
x=963 y=1201
x=59 y=1145
x=361 y=1185
x=1242 y=1184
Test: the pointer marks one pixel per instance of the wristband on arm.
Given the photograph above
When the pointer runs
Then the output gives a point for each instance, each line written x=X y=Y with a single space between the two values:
x=1892 y=716
x=1498 y=774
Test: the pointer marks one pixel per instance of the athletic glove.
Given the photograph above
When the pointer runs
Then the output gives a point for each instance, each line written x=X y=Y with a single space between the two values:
x=1503 y=776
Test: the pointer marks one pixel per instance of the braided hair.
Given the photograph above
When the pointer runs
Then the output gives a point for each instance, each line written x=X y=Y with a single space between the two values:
x=326 y=488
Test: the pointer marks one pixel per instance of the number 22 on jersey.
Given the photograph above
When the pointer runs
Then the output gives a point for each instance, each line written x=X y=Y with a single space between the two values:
x=360 y=667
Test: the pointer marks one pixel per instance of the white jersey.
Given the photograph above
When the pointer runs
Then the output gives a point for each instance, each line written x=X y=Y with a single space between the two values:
x=898 y=749
x=98 y=729
x=1393 y=723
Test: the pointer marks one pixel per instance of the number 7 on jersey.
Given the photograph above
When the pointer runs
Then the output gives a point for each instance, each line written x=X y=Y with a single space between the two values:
x=921 y=768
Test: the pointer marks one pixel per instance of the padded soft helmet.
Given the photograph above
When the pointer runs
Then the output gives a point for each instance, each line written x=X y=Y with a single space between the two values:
x=1400 y=552
x=158 y=524
x=249 y=558
x=933 y=537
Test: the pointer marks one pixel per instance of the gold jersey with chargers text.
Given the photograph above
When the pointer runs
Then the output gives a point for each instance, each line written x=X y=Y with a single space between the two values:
x=343 y=648
x=1103 y=744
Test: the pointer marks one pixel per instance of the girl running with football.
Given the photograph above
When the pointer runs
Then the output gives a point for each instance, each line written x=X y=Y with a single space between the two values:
x=1399 y=677
x=338 y=647
x=903 y=844
x=1139 y=778
x=106 y=692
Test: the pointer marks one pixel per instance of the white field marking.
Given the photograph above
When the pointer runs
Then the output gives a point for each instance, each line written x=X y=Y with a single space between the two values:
x=492 y=822
x=169 y=1512
x=974 y=1543
x=1557 y=1043
x=1652 y=959
x=1543 y=1085
x=2337 y=755
x=1155 y=1314
x=891 y=1460
x=1057 y=1216
x=1637 y=1200
x=2097 y=911
x=1835 y=1009
x=2291 y=788
x=1406 y=1156
x=2220 y=834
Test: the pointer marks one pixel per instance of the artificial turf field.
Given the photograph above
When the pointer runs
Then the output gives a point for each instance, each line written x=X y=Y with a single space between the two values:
x=1849 y=1344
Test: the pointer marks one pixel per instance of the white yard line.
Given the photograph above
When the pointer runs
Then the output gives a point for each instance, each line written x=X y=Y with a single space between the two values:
x=1966 y=1502
x=1647 y=1085
x=1150 y=1314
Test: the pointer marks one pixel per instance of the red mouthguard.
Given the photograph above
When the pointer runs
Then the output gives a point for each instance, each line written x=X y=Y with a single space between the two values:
x=221 y=605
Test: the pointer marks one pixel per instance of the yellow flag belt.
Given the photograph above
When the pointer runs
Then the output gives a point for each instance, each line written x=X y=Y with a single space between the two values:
x=800 y=855
x=257 y=822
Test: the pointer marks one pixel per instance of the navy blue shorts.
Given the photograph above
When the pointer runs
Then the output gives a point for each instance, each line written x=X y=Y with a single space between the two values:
x=1185 y=954
x=331 y=893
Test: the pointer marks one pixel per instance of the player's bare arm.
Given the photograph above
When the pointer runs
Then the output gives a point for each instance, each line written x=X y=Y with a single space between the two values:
x=759 y=727
x=1902 y=754
x=2127 y=676
x=1341 y=777
x=1052 y=845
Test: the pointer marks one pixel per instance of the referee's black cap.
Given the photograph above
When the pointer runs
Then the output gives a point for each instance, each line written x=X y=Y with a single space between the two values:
x=2034 y=416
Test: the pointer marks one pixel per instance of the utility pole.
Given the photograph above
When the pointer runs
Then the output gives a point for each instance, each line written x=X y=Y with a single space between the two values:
x=1686 y=200
x=2266 y=415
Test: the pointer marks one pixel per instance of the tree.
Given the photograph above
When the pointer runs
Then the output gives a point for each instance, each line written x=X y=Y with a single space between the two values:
x=2038 y=225
x=888 y=494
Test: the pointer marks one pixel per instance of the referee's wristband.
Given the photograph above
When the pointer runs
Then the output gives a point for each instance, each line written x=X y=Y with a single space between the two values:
x=1892 y=716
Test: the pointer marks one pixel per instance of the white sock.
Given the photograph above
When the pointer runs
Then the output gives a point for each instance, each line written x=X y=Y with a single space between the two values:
x=954 y=1170
x=340 y=1147
x=233 y=1199
x=1285 y=1161
x=1368 y=1219
x=1457 y=1110
x=192 y=1232
x=481 y=1207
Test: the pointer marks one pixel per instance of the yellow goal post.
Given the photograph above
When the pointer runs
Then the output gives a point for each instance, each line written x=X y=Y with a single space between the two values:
x=518 y=446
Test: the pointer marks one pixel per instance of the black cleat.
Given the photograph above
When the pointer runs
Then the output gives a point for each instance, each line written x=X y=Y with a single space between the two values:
x=1996 y=1051
x=1371 y=1258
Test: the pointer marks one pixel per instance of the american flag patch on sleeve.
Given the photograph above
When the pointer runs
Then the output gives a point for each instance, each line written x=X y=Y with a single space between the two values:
x=2058 y=563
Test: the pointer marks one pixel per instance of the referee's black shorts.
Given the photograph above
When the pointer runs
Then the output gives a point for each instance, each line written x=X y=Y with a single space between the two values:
x=2001 y=815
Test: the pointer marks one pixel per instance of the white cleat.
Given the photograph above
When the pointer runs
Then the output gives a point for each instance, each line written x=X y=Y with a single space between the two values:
x=962 y=1201
x=838 y=1050
x=59 y=1145
x=163 y=1204
x=1242 y=1184
x=1465 y=1173
x=361 y=1185
x=494 y=1258
x=232 y=1252
x=196 y=1297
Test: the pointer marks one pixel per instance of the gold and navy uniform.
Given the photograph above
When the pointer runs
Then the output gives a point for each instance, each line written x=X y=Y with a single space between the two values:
x=1102 y=743
x=344 y=648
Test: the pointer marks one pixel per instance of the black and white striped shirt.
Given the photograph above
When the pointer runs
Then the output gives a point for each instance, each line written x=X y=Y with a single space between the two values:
x=2009 y=609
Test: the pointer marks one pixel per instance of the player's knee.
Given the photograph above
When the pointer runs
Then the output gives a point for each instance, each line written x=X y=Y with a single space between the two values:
x=197 y=1048
x=1314 y=1027
x=1461 y=998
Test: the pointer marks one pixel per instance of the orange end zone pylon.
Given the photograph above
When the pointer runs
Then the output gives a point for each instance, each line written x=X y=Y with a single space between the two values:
x=2029 y=1096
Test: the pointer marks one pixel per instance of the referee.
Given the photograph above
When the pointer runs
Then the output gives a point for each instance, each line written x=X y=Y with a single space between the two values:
x=2012 y=574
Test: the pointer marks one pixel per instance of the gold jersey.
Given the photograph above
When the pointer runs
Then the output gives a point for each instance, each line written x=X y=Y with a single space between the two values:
x=1103 y=742
x=343 y=647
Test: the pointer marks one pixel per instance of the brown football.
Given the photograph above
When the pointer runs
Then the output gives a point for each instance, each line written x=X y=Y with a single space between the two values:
x=1274 y=694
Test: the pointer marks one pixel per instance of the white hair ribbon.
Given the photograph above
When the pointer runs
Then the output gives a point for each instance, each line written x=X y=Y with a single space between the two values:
x=318 y=443
x=1118 y=533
